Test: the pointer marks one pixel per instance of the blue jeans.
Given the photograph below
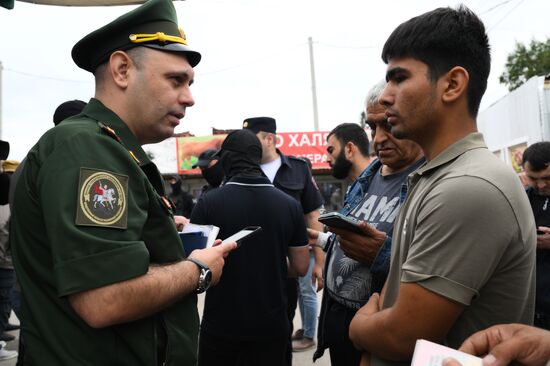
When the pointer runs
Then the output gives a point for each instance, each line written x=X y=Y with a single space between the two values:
x=307 y=300
x=7 y=280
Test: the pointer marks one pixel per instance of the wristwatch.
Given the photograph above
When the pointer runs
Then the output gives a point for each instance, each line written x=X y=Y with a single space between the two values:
x=205 y=276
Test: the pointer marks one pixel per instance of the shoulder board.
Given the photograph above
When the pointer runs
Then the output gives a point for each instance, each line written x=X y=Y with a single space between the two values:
x=109 y=131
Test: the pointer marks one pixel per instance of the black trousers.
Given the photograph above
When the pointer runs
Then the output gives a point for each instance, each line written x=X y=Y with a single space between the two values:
x=292 y=296
x=337 y=321
x=221 y=351
x=542 y=321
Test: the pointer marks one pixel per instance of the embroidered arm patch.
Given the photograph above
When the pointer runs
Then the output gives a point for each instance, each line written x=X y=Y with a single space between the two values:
x=102 y=199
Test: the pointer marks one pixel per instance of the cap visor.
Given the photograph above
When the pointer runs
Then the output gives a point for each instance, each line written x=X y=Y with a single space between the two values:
x=193 y=57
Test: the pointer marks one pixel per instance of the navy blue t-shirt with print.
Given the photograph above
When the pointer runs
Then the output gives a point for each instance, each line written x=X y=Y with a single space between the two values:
x=349 y=281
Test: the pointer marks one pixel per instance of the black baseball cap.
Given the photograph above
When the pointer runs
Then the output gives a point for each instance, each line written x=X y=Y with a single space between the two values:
x=205 y=158
x=68 y=109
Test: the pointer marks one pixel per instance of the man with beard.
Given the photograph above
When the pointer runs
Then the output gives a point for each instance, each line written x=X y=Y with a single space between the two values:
x=245 y=319
x=536 y=161
x=358 y=267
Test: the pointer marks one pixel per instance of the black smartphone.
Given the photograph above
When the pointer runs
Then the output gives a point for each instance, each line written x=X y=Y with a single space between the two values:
x=245 y=233
x=337 y=220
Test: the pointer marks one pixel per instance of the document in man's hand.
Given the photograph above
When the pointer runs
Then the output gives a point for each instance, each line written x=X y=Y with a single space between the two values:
x=194 y=236
x=427 y=353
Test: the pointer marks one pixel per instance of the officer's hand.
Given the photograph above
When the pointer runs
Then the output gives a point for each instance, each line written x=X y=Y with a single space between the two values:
x=543 y=240
x=214 y=258
x=180 y=221
x=362 y=248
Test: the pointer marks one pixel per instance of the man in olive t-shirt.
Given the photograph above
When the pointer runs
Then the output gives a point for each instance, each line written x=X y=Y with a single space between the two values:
x=464 y=241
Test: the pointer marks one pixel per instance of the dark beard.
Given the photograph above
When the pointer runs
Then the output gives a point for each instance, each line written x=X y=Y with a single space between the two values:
x=341 y=167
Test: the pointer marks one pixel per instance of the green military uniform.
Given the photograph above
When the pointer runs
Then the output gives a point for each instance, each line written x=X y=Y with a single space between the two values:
x=60 y=250
x=90 y=211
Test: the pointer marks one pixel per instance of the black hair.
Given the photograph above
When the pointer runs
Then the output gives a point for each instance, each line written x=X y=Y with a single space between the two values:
x=537 y=155
x=442 y=39
x=351 y=132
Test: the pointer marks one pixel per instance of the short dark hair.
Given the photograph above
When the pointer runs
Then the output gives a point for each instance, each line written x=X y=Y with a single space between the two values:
x=351 y=132
x=442 y=39
x=537 y=155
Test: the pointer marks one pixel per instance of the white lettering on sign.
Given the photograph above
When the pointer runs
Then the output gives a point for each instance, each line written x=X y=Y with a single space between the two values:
x=293 y=139
x=320 y=139
x=305 y=140
x=302 y=139
x=315 y=158
x=279 y=141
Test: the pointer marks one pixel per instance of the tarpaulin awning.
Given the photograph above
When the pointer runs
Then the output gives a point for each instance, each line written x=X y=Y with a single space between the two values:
x=10 y=3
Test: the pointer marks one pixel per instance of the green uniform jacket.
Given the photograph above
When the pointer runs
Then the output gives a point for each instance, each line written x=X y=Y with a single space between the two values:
x=87 y=214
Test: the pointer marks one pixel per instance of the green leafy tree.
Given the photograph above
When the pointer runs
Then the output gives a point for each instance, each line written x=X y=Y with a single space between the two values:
x=526 y=62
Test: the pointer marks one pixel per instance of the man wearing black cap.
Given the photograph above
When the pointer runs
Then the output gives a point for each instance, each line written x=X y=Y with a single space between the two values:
x=68 y=109
x=96 y=250
x=293 y=176
x=244 y=320
x=210 y=170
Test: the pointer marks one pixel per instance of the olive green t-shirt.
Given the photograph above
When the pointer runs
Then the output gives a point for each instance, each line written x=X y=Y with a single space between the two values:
x=89 y=212
x=466 y=232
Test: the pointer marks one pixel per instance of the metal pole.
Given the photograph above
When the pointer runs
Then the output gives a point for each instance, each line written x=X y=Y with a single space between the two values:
x=313 y=87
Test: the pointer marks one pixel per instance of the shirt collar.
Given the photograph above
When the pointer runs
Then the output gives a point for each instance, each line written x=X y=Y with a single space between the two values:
x=98 y=111
x=470 y=142
x=250 y=180
x=284 y=158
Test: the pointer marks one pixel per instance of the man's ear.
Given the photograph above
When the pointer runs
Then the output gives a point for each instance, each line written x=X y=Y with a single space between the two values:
x=349 y=150
x=455 y=84
x=119 y=65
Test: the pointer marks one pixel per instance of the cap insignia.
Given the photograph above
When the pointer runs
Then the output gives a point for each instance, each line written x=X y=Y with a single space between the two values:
x=245 y=124
x=159 y=36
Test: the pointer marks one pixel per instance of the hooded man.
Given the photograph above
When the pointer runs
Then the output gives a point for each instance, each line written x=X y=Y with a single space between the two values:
x=244 y=320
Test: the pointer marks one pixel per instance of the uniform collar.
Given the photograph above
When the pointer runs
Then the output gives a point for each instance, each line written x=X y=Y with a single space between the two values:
x=97 y=110
x=284 y=158
x=470 y=142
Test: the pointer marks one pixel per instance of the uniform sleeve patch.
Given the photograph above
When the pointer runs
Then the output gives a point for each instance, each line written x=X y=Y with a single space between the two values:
x=102 y=199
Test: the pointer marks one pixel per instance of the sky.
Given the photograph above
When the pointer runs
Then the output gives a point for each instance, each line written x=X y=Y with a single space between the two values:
x=255 y=58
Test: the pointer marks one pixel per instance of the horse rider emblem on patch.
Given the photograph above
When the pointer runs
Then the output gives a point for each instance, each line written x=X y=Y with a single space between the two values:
x=102 y=199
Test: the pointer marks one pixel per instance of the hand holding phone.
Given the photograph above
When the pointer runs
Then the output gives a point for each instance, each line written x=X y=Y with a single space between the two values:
x=337 y=220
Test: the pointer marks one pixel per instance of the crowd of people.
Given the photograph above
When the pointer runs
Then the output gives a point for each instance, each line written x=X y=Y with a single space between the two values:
x=449 y=245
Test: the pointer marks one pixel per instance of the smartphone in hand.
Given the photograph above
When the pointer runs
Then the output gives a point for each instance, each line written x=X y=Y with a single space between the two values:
x=337 y=220
x=245 y=233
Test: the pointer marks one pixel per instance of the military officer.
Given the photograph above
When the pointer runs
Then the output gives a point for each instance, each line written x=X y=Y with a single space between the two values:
x=102 y=269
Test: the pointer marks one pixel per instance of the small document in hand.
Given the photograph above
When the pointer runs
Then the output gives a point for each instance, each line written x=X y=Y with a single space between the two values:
x=427 y=353
x=210 y=232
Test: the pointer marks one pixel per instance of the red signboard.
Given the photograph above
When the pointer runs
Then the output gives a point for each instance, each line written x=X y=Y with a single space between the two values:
x=311 y=145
